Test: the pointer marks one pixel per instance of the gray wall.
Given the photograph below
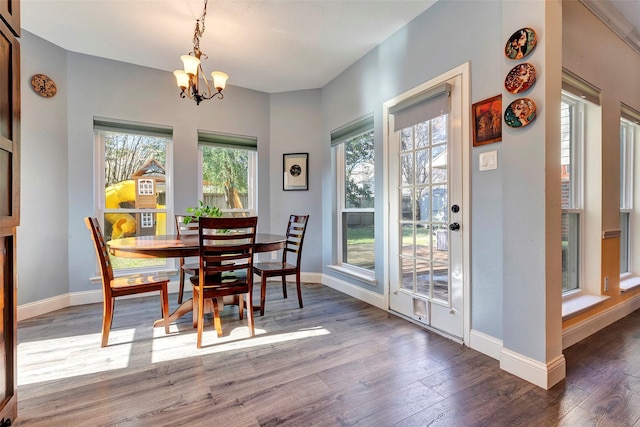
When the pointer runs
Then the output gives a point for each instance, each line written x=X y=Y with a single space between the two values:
x=296 y=127
x=44 y=211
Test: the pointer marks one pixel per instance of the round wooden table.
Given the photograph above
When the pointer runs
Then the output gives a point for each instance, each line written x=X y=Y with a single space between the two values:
x=180 y=246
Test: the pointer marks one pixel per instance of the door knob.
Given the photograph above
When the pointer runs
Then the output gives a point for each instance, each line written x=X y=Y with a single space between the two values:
x=454 y=227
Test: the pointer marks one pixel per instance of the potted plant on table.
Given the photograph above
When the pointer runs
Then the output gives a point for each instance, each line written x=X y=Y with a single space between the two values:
x=202 y=210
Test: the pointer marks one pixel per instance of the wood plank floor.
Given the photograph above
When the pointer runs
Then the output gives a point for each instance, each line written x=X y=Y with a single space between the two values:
x=336 y=362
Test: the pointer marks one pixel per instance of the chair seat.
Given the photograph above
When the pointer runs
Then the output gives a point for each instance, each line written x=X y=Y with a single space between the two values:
x=138 y=280
x=229 y=284
x=277 y=268
x=191 y=268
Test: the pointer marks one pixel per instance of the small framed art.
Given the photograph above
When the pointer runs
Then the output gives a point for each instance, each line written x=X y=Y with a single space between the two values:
x=295 y=168
x=487 y=121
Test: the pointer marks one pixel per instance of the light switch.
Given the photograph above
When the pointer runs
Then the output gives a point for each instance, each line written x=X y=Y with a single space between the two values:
x=488 y=160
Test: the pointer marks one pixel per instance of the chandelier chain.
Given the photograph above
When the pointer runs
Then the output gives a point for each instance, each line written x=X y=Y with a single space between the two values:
x=199 y=32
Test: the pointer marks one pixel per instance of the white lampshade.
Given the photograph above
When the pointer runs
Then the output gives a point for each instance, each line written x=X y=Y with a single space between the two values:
x=191 y=64
x=219 y=79
x=182 y=79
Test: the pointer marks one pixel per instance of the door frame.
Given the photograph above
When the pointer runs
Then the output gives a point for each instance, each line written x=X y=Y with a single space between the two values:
x=464 y=71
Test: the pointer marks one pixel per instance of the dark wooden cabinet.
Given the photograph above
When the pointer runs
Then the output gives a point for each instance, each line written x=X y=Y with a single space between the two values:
x=9 y=201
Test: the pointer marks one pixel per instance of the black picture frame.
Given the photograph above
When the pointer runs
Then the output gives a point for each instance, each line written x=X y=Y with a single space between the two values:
x=295 y=168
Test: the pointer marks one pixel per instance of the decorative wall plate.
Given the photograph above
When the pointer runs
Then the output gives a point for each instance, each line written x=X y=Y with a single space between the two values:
x=520 y=44
x=520 y=113
x=520 y=78
x=43 y=85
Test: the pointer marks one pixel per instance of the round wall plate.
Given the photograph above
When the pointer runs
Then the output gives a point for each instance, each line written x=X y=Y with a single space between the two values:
x=520 y=44
x=43 y=85
x=520 y=113
x=520 y=78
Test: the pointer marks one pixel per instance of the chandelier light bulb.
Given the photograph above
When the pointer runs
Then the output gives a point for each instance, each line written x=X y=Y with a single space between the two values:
x=219 y=80
x=182 y=79
x=191 y=64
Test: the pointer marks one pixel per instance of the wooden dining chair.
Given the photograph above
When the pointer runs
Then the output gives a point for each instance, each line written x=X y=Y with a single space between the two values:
x=288 y=265
x=190 y=268
x=226 y=247
x=114 y=287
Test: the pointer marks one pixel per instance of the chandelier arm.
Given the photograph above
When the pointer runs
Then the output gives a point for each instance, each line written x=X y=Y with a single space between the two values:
x=206 y=82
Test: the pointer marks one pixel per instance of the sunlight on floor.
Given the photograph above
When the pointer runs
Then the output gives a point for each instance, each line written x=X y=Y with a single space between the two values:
x=82 y=355
x=75 y=351
x=165 y=350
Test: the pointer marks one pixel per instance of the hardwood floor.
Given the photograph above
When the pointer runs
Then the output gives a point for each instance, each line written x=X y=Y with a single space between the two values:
x=336 y=362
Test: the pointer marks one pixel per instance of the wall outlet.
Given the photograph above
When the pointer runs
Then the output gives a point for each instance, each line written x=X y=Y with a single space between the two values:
x=274 y=255
x=606 y=283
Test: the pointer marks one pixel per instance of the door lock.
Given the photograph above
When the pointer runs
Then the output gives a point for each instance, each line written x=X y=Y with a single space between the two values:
x=455 y=208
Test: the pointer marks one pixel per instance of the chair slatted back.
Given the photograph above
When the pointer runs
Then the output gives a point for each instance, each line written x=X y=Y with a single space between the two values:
x=102 y=252
x=295 y=237
x=227 y=244
x=190 y=228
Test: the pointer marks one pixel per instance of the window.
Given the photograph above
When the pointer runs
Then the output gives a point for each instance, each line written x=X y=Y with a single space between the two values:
x=626 y=193
x=228 y=170
x=572 y=136
x=132 y=184
x=354 y=153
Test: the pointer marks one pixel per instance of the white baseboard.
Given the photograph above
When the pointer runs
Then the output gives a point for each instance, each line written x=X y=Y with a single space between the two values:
x=373 y=298
x=485 y=344
x=538 y=373
x=33 y=309
x=593 y=324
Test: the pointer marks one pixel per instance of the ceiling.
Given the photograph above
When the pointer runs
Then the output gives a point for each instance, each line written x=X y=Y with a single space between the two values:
x=266 y=45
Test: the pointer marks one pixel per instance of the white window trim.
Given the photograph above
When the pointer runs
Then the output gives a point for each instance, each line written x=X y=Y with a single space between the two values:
x=362 y=274
x=577 y=190
x=626 y=196
x=252 y=182
x=100 y=207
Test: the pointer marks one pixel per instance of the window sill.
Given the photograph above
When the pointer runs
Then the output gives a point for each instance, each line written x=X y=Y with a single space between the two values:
x=366 y=277
x=629 y=283
x=578 y=302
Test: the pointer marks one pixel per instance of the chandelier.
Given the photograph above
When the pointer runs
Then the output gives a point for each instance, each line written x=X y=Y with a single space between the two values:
x=189 y=79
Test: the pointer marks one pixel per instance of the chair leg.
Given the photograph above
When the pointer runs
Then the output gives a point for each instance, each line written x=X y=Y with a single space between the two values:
x=284 y=286
x=252 y=330
x=195 y=310
x=164 y=299
x=241 y=306
x=107 y=319
x=216 y=317
x=298 y=288
x=263 y=292
x=200 y=317
x=181 y=290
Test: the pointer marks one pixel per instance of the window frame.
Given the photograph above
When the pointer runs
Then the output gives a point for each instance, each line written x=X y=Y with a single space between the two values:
x=576 y=199
x=339 y=138
x=236 y=142
x=101 y=127
x=627 y=176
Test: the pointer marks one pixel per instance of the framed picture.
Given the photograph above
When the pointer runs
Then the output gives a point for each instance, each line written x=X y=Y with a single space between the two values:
x=295 y=168
x=487 y=121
